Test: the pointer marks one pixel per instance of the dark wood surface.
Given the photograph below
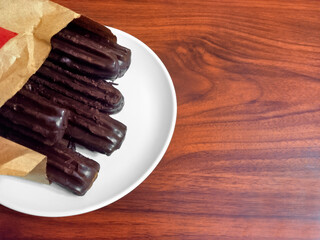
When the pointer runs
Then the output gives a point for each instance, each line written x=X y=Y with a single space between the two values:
x=244 y=161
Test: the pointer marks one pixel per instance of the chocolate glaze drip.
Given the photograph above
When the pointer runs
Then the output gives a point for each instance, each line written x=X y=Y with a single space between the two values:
x=65 y=167
x=92 y=53
x=40 y=119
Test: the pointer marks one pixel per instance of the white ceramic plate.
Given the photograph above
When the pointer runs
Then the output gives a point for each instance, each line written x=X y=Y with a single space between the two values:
x=149 y=113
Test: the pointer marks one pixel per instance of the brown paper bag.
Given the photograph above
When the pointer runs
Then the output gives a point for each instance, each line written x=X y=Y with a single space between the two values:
x=17 y=160
x=30 y=24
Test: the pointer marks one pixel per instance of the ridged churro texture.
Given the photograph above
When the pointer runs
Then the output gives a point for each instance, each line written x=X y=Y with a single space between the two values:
x=36 y=117
x=83 y=49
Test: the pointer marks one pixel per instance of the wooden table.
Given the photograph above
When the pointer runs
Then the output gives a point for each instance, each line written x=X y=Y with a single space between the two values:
x=244 y=161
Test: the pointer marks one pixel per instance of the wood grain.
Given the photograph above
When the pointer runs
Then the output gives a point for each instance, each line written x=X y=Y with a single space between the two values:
x=244 y=162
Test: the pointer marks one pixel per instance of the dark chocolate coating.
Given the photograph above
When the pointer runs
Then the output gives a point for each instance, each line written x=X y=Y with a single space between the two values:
x=102 y=85
x=70 y=169
x=101 y=138
x=95 y=130
x=40 y=119
x=102 y=96
x=94 y=43
x=90 y=50
x=82 y=61
x=65 y=167
x=92 y=29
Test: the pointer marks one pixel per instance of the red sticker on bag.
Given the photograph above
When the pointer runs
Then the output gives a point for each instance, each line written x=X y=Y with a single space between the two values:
x=5 y=36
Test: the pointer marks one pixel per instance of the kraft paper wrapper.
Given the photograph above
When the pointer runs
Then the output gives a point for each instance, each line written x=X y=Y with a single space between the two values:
x=35 y=22
x=17 y=160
